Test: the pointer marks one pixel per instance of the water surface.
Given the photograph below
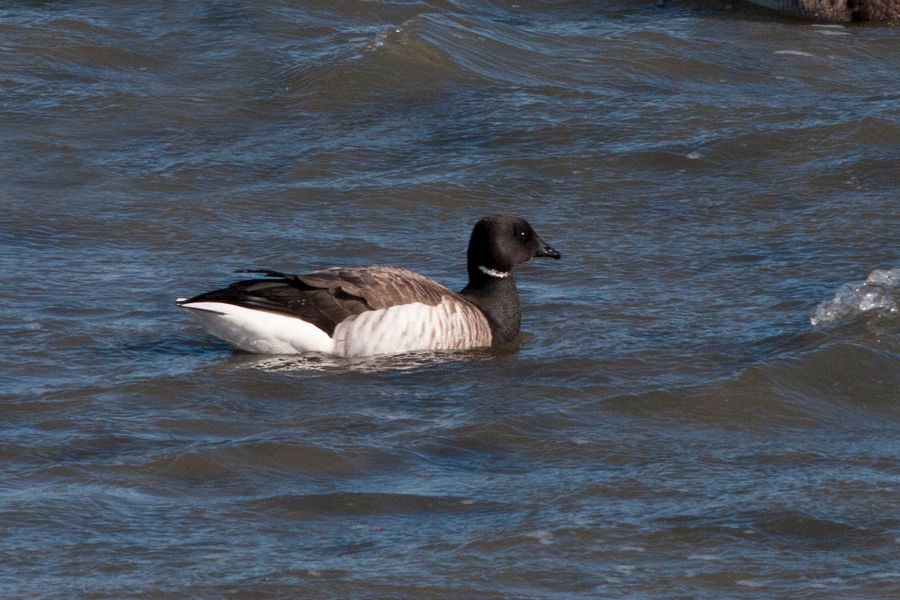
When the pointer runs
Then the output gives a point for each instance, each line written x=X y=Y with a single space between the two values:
x=704 y=403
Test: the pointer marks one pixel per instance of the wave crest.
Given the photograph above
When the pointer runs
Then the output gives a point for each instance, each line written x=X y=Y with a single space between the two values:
x=877 y=293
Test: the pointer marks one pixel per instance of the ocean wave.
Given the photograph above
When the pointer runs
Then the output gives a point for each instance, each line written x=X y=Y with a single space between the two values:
x=848 y=385
x=879 y=293
x=430 y=52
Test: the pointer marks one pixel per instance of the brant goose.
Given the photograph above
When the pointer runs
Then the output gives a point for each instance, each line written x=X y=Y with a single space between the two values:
x=363 y=311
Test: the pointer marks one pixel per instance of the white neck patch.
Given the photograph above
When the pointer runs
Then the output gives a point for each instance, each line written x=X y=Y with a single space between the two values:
x=493 y=273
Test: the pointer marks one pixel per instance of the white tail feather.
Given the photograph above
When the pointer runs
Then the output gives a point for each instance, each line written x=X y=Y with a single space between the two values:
x=258 y=330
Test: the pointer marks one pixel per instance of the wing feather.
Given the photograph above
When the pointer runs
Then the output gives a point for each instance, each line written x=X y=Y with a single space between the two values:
x=327 y=298
x=379 y=287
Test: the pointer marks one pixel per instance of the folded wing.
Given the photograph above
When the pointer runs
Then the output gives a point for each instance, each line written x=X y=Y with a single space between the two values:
x=327 y=298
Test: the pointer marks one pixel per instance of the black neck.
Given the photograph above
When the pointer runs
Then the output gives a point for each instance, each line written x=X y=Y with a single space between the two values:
x=498 y=299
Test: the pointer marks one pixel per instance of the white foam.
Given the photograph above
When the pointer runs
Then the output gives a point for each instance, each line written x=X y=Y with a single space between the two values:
x=794 y=52
x=541 y=535
x=703 y=557
x=888 y=277
x=382 y=38
x=825 y=584
x=876 y=293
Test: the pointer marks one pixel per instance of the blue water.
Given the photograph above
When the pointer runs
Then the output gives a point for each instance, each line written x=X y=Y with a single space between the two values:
x=704 y=402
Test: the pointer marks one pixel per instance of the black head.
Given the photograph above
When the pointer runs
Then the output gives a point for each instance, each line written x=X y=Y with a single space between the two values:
x=501 y=242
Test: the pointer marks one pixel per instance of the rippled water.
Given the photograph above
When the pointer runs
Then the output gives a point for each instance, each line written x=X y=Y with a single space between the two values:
x=705 y=400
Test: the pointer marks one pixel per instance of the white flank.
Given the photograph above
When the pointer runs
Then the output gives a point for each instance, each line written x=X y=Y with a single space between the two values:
x=260 y=331
x=450 y=325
